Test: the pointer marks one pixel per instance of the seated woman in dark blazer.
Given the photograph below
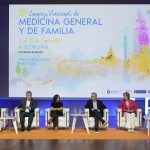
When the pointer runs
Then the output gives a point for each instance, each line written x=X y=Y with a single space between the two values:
x=56 y=111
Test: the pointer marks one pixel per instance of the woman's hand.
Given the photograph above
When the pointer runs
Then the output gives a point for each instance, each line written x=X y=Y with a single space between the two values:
x=59 y=109
x=129 y=111
x=53 y=108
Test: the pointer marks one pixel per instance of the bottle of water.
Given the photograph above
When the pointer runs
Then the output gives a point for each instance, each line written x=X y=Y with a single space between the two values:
x=6 y=114
x=149 y=112
x=11 y=113
x=147 y=115
x=75 y=110
x=79 y=110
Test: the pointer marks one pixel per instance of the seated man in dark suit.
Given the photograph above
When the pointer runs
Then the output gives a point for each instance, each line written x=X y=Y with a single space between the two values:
x=96 y=108
x=27 y=107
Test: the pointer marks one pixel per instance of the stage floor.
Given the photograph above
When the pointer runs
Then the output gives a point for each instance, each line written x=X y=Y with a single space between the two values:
x=79 y=134
x=75 y=144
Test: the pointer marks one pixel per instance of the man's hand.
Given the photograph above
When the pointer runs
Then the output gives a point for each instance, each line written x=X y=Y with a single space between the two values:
x=15 y=108
x=18 y=108
x=95 y=109
x=27 y=107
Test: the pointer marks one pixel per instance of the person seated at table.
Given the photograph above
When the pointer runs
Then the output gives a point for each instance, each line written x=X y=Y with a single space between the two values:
x=27 y=107
x=56 y=111
x=129 y=108
x=96 y=108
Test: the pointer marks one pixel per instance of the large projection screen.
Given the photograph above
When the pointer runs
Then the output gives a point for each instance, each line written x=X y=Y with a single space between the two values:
x=74 y=50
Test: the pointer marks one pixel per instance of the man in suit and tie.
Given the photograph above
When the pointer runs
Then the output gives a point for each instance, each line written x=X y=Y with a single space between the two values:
x=96 y=108
x=27 y=107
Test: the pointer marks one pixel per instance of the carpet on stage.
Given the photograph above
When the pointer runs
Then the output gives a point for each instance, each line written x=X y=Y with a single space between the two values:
x=43 y=133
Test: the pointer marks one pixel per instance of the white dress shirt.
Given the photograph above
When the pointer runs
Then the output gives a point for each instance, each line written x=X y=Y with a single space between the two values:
x=28 y=105
x=94 y=104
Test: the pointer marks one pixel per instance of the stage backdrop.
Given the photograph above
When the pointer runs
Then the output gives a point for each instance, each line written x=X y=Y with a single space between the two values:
x=73 y=50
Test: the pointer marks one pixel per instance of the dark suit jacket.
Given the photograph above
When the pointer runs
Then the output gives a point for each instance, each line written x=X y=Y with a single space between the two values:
x=22 y=105
x=100 y=107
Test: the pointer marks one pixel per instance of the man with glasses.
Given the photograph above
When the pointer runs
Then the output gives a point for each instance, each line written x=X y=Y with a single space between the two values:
x=96 y=108
x=27 y=107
